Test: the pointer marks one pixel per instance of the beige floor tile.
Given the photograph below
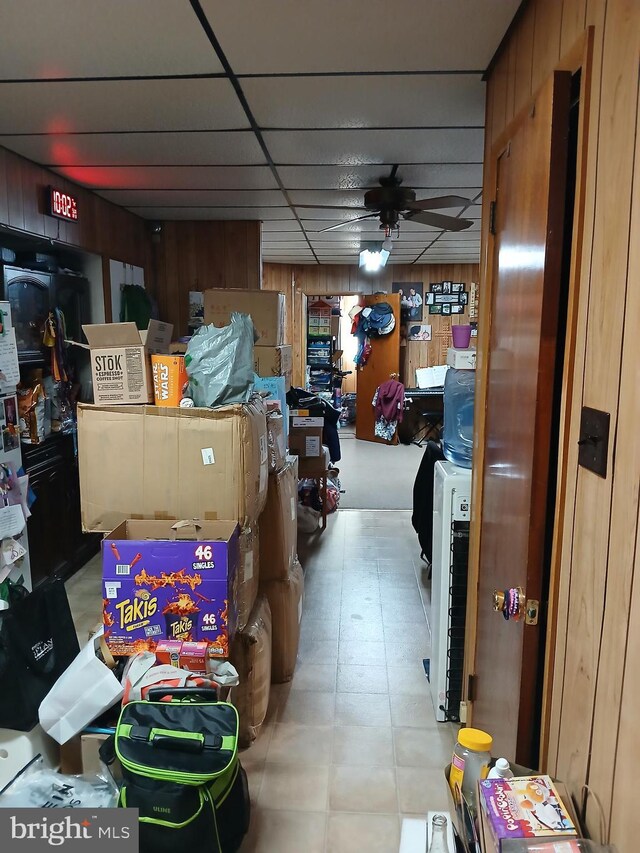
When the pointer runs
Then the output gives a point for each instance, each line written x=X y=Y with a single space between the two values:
x=317 y=677
x=366 y=631
x=361 y=653
x=258 y=749
x=355 y=833
x=318 y=651
x=362 y=709
x=428 y=748
x=407 y=633
x=361 y=611
x=255 y=772
x=409 y=678
x=296 y=743
x=364 y=746
x=412 y=711
x=421 y=789
x=318 y=629
x=401 y=653
x=294 y=788
x=358 y=789
x=304 y=706
x=362 y=679
x=394 y=613
x=285 y=832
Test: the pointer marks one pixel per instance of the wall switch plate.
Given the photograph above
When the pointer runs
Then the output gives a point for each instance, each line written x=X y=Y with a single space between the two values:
x=594 y=440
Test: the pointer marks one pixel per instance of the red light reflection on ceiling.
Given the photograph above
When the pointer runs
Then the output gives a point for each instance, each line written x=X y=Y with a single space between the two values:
x=96 y=177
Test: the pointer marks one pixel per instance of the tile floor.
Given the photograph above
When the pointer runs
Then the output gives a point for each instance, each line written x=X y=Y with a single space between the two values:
x=351 y=745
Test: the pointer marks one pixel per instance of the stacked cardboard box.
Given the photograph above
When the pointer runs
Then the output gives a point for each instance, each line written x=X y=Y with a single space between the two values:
x=265 y=307
x=251 y=656
x=280 y=573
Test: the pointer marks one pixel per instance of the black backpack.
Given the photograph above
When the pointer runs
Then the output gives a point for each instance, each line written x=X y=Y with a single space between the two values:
x=422 y=518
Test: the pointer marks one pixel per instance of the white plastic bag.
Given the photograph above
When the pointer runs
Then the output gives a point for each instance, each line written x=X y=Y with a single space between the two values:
x=85 y=690
x=39 y=787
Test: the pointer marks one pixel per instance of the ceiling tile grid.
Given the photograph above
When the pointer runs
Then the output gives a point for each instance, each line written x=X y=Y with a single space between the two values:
x=278 y=111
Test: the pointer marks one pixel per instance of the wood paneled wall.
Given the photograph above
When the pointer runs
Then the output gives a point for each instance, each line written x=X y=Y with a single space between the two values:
x=593 y=666
x=198 y=255
x=334 y=279
x=102 y=228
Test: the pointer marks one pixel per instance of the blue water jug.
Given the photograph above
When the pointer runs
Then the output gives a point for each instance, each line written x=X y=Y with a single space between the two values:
x=457 y=437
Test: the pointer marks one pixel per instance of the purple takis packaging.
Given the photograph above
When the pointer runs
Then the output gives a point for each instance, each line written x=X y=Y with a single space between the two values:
x=159 y=587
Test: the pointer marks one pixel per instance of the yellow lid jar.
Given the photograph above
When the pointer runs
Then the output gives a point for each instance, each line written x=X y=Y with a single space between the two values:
x=470 y=763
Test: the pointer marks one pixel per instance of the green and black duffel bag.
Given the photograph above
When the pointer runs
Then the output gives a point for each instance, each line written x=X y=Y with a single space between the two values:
x=181 y=769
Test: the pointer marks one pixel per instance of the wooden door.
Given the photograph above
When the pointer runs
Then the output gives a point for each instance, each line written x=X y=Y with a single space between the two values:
x=529 y=165
x=383 y=361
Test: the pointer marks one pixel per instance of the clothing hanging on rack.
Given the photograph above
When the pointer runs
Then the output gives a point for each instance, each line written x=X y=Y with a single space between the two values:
x=388 y=402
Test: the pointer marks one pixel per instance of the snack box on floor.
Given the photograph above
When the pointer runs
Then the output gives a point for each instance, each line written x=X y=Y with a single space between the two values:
x=168 y=581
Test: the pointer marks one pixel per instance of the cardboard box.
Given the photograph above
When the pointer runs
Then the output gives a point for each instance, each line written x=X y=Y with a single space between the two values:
x=276 y=389
x=153 y=462
x=248 y=575
x=162 y=581
x=169 y=379
x=274 y=361
x=80 y=756
x=251 y=656
x=279 y=523
x=120 y=365
x=276 y=441
x=285 y=600
x=265 y=307
x=194 y=656
x=168 y=652
x=305 y=442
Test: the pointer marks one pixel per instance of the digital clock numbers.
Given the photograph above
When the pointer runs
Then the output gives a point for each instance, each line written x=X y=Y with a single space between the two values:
x=62 y=205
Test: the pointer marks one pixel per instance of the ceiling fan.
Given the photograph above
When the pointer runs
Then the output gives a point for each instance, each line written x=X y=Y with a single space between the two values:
x=390 y=201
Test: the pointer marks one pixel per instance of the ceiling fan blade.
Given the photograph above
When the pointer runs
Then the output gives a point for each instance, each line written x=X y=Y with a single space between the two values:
x=394 y=169
x=439 y=202
x=332 y=206
x=439 y=220
x=348 y=222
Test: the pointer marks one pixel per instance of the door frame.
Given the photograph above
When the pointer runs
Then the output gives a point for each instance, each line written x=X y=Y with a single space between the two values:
x=579 y=58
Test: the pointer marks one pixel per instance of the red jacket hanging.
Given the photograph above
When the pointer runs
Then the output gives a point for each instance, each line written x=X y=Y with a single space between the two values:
x=390 y=400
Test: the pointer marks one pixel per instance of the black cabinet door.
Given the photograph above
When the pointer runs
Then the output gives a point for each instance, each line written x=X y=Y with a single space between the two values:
x=48 y=526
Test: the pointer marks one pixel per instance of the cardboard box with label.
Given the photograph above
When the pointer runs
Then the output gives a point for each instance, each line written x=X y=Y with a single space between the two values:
x=273 y=361
x=265 y=307
x=169 y=581
x=120 y=360
x=305 y=434
x=285 y=600
x=279 y=523
x=276 y=440
x=251 y=656
x=172 y=463
x=248 y=575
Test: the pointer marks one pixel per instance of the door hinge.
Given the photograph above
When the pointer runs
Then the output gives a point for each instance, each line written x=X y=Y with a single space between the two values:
x=492 y=218
x=472 y=686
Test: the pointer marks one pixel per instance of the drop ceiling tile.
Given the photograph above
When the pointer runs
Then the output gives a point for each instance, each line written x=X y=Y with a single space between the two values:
x=354 y=198
x=171 y=177
x=262 y=213
x=270 y=248
x=120 y=105
x=288 y=259
x=362 y=147
x=93 y=39
x=193 y=198
x=144 y=149
x=361 y=35
x=358 y=102
x=280 y=226
x=433 y=175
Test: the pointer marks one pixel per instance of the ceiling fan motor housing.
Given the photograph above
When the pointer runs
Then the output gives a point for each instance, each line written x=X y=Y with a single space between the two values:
x=389 y=198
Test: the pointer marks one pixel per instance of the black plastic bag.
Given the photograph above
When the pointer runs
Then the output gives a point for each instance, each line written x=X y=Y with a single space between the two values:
x=38 y=641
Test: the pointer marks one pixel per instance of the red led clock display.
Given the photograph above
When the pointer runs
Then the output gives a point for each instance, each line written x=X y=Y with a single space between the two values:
x=62 y=205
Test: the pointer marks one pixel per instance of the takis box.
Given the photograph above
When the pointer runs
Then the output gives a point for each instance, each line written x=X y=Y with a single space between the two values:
x=169 y=581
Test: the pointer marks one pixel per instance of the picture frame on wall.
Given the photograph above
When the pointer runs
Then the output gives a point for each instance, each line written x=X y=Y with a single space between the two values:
x=411 y=295
x=457 y=286
x=464 y=297
x=436 y=287
x=441 y=298
x=446 y=308
x=457 y=309
x=446 y=286
x=435 y=309
x=419 y=332
x=430 y=297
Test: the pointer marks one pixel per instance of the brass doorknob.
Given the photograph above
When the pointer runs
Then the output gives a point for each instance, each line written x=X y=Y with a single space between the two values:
x=510 y=602
x=498 y=600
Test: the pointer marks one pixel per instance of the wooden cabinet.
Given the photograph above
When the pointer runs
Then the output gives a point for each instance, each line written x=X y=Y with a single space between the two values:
x=57 y=546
